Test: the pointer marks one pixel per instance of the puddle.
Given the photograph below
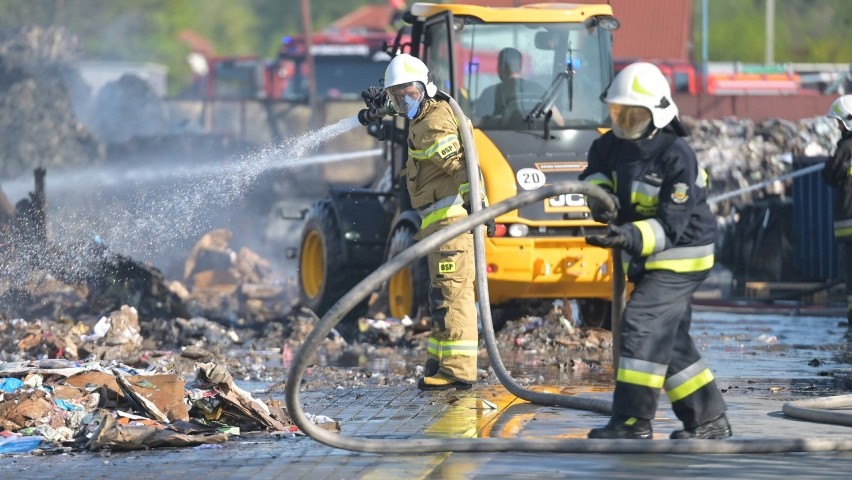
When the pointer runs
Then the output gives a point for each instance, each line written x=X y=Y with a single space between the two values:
x=764 y=348
x=772 y=354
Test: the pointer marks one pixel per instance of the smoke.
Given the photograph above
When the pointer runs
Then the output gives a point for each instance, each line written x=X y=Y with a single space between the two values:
x=154 y=209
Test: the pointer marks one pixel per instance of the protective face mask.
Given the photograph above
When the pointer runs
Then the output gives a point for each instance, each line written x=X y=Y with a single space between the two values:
x=412 y=106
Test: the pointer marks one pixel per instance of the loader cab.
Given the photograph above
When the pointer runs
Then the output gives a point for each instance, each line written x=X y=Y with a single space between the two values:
x=520 y=75
x=530 y=80
x=539 y=131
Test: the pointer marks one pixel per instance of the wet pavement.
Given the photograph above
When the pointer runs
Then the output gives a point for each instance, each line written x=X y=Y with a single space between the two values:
x=760 y=361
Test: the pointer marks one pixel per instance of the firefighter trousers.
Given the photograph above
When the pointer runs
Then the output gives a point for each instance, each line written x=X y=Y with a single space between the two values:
x=454 y=340
x=658 y=352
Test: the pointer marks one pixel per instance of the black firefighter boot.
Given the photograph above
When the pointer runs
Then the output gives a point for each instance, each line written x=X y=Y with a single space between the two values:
x=622 y=426
x=715 y=429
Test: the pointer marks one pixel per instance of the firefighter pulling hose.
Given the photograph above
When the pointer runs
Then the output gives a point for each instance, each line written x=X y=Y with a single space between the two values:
x=546 y=204
x=476 y=219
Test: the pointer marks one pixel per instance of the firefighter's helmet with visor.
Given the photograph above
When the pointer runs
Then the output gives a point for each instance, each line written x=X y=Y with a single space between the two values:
x=841 y=109
x=407 y=84
x=638 y=96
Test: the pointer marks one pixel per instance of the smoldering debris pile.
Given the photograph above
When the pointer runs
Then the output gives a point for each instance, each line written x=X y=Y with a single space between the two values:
x=36 y=112
x=235 y=287
x=558 y=339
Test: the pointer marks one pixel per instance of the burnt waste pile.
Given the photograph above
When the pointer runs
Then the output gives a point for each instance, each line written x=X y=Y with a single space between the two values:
x=91 y=249
x=134 y=209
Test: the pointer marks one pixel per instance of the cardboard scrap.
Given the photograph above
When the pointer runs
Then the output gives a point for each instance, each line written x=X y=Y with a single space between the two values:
x=117 y=436
x=21 y=410
x=236 y=397
x=164 y=392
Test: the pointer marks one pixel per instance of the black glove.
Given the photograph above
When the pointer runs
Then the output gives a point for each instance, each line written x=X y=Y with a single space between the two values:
x=600 y=212
x=490 y=226
x=617 y=237
x=374 y=98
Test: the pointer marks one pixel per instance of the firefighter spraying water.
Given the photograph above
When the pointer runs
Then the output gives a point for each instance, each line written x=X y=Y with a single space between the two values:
x=538 y=253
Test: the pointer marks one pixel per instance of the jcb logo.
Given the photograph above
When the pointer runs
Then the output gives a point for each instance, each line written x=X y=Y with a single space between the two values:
x=567 y=200
x=447 y=267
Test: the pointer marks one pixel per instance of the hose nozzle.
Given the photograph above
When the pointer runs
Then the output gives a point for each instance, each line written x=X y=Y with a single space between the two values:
x=375 y=99
x=368 y=116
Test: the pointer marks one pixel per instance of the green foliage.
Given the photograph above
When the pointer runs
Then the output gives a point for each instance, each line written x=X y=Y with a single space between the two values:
x=277 y=18
x=149 y=30
x=805 y=31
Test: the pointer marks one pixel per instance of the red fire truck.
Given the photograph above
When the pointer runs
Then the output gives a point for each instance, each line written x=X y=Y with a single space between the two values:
x=344 y=63
x=723 y=79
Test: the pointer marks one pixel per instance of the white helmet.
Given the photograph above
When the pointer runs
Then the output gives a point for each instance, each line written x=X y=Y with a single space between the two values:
x=643 y=84
x=841 y=109
x=404 y=68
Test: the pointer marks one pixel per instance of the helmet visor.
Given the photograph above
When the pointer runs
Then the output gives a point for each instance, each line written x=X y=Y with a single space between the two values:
x=397 y=93
x=629 y=117
x=629 y=122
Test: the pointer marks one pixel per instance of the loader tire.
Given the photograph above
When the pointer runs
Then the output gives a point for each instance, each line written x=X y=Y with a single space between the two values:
x=408 y=289
x=323 y=275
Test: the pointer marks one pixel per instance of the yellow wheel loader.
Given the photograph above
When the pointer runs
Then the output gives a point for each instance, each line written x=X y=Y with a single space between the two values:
x=529 y=78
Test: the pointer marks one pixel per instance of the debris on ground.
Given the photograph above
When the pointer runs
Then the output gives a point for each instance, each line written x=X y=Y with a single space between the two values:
x=97 y=405
x=96 y=347
x=558 y=340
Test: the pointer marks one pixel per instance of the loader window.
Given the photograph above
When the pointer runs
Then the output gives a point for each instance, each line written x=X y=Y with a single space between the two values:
x=504 y=69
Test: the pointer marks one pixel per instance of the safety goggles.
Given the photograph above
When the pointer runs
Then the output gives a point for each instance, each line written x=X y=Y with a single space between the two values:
x=397 y=94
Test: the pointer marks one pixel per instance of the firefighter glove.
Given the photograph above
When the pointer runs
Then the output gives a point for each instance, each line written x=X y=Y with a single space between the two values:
x=619 y=236
x=600 y=212
x=490 y=226
x=375 y=100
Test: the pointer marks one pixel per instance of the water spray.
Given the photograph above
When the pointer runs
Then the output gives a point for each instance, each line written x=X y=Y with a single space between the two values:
x=149 y=209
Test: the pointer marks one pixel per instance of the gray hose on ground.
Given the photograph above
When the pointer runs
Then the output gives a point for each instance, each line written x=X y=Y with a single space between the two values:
x=435 y=445
x=580 y=403
x=816 y=409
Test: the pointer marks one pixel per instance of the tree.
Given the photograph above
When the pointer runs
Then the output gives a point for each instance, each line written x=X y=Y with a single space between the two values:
x=805 y=31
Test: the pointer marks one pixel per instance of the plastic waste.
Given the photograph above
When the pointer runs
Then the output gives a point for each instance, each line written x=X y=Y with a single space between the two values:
x=10 y=385
x=19 y=444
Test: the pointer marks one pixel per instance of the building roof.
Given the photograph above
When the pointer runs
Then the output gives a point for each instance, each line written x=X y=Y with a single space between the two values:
x=653 y=29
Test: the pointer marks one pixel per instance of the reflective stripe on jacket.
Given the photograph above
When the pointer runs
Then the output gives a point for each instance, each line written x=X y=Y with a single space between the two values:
x=436 y=166
x=447 y=207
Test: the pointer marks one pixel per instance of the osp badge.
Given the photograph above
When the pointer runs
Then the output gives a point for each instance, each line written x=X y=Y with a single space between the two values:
x=680 y=193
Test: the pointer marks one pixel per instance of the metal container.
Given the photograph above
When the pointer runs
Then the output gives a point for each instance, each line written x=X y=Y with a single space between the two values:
x=815 y=252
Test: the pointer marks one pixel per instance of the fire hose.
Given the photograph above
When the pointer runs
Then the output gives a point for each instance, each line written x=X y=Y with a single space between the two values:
x=475 y=221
